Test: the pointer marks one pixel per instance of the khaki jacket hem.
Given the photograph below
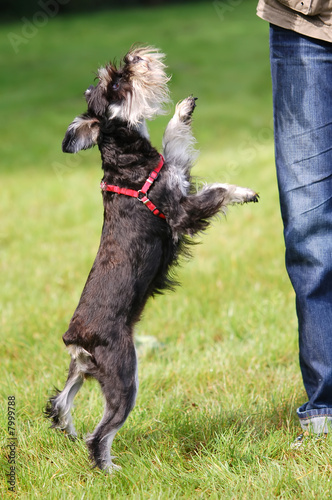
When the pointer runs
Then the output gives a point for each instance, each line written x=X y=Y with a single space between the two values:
x=280 y=15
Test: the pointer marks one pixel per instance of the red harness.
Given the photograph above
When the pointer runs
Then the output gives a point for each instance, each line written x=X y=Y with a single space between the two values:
x=141 y=193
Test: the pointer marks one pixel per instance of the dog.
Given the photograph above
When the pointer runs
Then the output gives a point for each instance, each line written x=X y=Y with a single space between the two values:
x=151 y=212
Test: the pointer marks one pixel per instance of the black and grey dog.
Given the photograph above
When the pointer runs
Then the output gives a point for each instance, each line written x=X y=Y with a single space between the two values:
x=150 y=211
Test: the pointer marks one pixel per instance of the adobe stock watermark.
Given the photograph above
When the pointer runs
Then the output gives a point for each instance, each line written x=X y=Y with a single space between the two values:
x=69 y=165
x=12 y=443
x=223 y=7
x=247 y=151
x=31 y=27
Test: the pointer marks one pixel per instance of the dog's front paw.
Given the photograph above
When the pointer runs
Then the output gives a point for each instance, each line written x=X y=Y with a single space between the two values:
x=254 y=198
x=236 y=194
x=184 y=109
x=245 y=195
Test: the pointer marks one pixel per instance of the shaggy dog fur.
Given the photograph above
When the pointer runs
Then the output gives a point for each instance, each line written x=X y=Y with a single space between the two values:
x=137 y=247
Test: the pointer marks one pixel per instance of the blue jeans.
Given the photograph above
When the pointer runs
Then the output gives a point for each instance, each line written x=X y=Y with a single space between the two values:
x=301 y=70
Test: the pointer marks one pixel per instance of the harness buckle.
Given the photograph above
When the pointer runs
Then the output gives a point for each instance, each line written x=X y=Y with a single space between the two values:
x=141 y=197
x=154 y=176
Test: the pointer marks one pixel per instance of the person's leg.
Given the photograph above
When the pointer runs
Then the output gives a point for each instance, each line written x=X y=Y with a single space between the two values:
x=301 y=70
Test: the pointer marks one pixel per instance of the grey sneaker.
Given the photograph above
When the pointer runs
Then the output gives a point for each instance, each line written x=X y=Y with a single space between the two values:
x=298 y=442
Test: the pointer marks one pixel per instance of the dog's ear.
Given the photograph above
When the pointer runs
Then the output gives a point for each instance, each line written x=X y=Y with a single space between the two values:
x=82 y=133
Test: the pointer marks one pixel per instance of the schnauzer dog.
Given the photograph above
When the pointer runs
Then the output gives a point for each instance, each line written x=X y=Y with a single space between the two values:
x=150 y=210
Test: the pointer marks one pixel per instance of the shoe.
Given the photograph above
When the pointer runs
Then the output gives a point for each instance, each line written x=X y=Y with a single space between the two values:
x=298 y=442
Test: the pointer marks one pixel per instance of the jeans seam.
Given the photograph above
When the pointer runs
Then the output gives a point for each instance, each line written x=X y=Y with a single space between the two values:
x=315 y=416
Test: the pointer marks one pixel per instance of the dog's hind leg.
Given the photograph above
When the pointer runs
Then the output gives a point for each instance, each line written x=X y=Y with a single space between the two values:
x=178 y=145
x=117 y=375
x=58 y=408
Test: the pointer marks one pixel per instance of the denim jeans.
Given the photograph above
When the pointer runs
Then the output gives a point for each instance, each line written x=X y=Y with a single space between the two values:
x=301 y=70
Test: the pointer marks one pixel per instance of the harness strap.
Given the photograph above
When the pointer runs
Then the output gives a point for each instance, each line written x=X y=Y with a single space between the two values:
x=141 y=193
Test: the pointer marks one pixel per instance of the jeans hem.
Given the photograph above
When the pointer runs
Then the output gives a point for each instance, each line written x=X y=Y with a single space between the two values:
x=318 y=421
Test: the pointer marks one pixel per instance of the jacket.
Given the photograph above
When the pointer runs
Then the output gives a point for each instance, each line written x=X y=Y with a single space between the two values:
x=308 y=17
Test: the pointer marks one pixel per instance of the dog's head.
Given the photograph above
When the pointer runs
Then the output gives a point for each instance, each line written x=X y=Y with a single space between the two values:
x=134 y=92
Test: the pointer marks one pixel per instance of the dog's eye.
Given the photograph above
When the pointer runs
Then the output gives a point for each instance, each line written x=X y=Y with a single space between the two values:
x=115 y=85
x=137 y=59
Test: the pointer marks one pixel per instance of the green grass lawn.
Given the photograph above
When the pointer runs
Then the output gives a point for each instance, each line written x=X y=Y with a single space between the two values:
x=219 y=382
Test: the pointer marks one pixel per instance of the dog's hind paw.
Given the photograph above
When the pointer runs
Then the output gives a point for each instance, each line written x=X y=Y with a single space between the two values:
x=184 y=109
x=110 y=467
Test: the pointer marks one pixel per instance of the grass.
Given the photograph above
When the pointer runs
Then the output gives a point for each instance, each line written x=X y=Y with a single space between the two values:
x=220 y=382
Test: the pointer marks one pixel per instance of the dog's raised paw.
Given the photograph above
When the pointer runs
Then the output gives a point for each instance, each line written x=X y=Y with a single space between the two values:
x=246 y=195
x=185 y=109
x=237 y=194
x=255 y=198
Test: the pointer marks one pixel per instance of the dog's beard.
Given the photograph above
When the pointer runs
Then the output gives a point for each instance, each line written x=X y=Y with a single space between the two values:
x=148 y=92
